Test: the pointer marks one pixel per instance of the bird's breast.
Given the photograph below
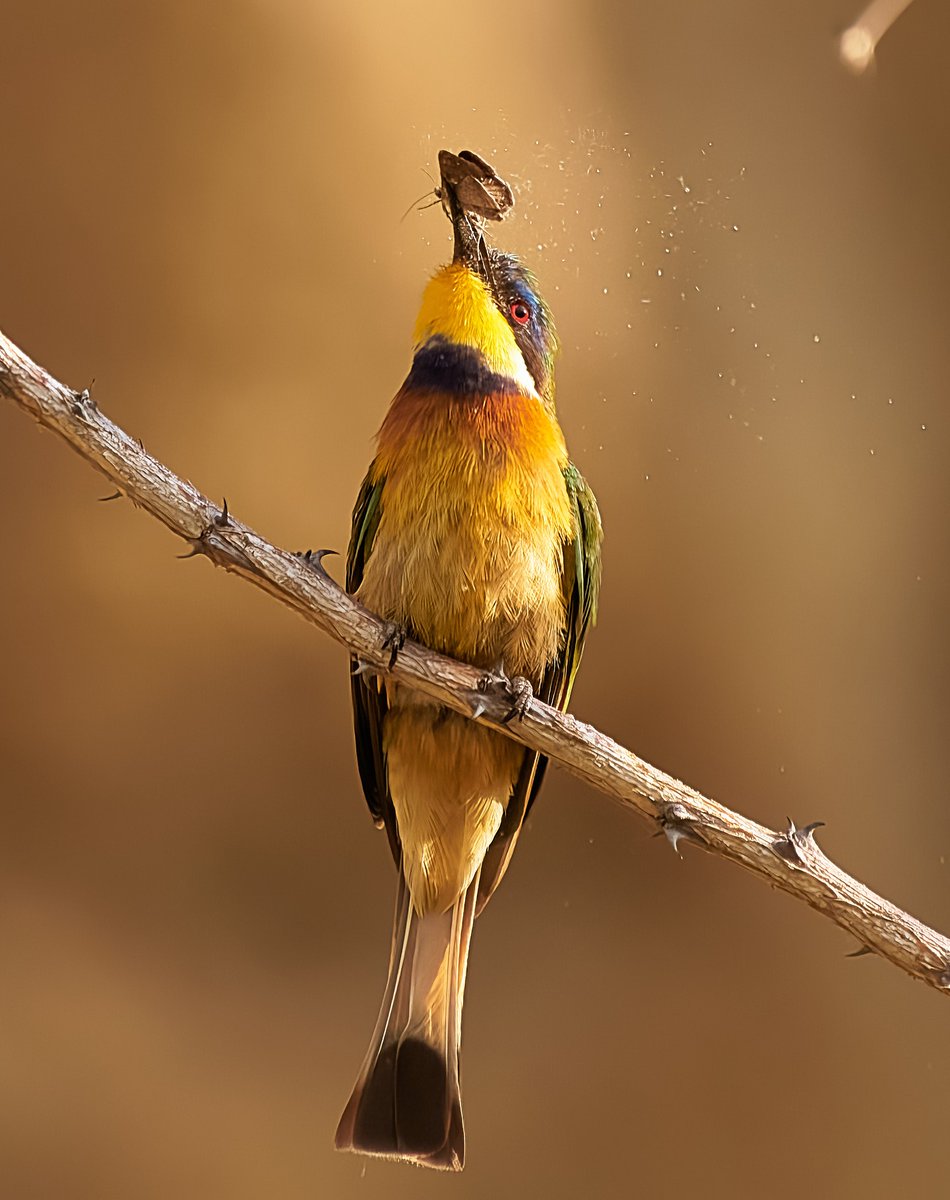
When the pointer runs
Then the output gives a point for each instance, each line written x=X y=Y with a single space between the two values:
x=469 y=552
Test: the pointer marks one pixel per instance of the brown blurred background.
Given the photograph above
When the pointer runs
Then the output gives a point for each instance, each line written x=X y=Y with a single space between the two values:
x=747 y=252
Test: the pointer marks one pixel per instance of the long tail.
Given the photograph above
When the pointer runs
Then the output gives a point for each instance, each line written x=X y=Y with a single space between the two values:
x=406 y=1103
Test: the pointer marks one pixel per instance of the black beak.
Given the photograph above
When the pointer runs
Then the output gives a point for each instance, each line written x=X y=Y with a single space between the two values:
x=471 y=193
x=470 y=247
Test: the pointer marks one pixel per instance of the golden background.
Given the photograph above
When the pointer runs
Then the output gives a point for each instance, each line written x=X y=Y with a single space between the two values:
x=747 y=252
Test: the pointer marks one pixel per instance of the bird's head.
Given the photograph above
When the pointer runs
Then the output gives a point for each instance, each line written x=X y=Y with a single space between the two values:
x=483 y=327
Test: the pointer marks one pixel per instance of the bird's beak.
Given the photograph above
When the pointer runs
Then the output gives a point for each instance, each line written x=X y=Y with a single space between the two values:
x=470 y=246
x=471 y=194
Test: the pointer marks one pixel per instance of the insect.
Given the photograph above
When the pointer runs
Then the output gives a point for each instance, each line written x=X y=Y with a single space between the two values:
x=478 y=191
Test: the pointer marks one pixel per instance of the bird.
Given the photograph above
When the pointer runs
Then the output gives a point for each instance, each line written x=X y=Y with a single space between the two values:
x=475 y=535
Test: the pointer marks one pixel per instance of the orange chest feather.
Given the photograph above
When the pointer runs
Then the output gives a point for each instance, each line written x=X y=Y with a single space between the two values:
x=475 y=516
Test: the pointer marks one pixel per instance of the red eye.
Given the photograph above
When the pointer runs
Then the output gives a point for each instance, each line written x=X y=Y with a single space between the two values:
x=520 y=313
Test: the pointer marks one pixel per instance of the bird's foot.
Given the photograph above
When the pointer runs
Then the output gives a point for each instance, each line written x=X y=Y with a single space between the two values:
x=515 y=688
x=394 y=640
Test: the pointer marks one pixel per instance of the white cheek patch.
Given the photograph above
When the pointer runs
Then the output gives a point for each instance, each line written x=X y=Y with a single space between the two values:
x=512 y=366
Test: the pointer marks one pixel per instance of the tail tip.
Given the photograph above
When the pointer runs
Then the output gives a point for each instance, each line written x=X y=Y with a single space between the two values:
x=407 y=1108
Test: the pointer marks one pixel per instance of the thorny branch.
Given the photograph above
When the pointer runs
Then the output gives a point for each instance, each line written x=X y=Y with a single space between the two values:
x=790 y=860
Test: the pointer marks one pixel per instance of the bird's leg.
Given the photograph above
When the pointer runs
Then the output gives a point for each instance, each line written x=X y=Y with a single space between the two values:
x=515 y=688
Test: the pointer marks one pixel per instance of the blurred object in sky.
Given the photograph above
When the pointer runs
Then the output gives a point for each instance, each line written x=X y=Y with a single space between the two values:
x=858 y=43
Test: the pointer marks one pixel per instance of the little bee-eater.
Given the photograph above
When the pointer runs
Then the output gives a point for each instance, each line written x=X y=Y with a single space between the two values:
x=476 y=535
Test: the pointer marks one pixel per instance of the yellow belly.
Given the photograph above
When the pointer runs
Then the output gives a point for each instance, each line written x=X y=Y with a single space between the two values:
x=469 y=554
x=475 y=516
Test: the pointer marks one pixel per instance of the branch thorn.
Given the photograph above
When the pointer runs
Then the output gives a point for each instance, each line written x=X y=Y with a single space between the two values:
x=314 y=558
x=674 y=824
x=794 y=844
x=114 y=496
x=223 y=518
x=861 y=952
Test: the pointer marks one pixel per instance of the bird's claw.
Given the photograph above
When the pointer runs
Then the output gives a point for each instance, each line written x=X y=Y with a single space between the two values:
x=394 y=641
x=521 y=693
x=516 y=688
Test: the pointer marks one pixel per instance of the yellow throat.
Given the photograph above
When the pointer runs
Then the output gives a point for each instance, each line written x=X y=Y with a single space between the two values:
x=458 y=306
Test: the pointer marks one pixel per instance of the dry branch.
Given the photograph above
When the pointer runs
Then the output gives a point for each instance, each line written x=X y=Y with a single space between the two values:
x=790 y=860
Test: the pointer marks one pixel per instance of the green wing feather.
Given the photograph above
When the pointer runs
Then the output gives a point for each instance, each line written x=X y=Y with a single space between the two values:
x=581 y=588
x=581 y=582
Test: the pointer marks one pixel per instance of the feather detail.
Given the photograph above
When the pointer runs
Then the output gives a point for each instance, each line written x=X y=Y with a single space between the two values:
x=469 y=549
x=450 y=781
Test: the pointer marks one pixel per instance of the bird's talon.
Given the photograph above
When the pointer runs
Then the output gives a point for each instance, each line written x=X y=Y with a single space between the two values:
x=517 y=689
x=521 y=693
x=394 y=641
